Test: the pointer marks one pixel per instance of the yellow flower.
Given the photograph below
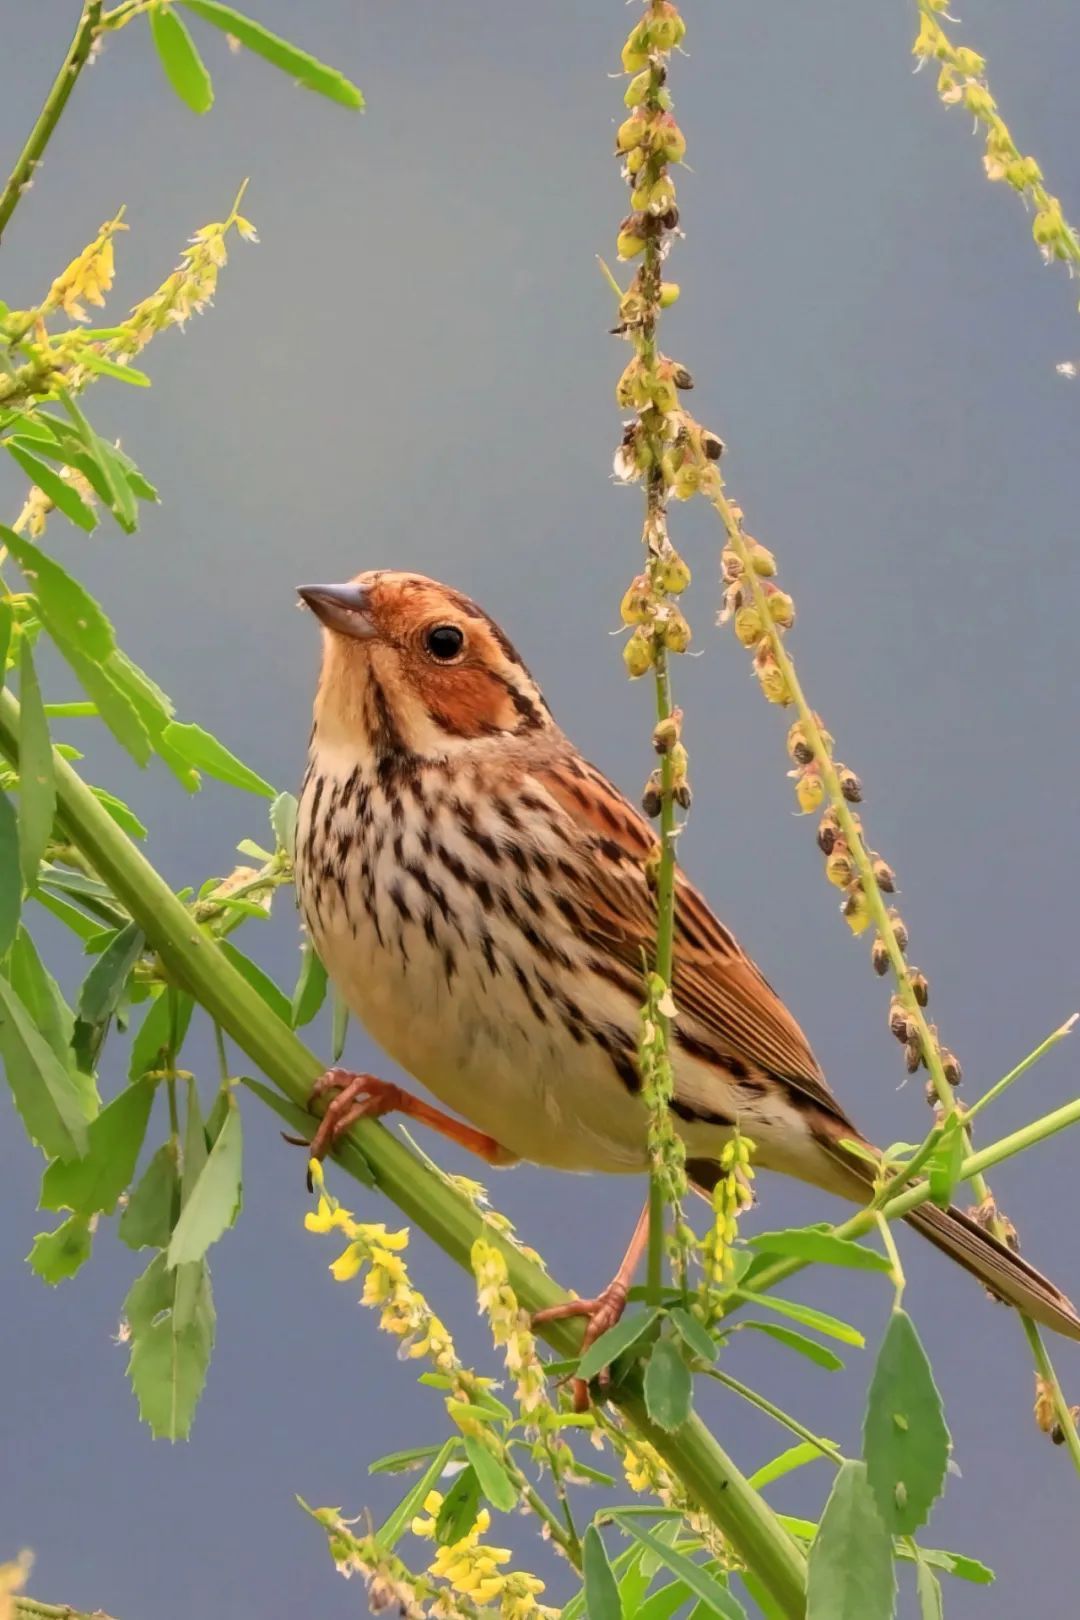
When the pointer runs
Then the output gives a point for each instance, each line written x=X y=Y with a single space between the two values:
x=345 y=1267
x=324 y=1220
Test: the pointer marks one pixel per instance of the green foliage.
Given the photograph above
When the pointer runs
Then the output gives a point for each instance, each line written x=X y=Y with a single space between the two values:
x=905 y=1441
x=850 y=1574
x=182 y=63
x=58 y=1255
x=601 y=1588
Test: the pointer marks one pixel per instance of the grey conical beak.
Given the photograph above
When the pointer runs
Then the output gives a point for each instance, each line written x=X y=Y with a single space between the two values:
x=344 y=608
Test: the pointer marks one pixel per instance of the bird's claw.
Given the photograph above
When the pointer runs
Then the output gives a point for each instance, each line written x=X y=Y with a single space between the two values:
x=352 y=1097
x=602 y=1313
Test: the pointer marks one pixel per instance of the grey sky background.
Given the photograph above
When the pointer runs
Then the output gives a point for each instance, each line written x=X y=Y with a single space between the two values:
x=412 y=370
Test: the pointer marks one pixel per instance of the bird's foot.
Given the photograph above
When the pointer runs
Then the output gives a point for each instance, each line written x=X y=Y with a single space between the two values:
x=602 y=1313
x=352 y=1097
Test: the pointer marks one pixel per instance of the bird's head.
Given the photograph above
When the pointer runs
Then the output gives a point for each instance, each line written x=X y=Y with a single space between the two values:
x=413 y=667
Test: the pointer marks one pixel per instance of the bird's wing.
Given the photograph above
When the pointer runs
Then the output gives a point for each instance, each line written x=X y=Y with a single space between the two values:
x=727 y=1009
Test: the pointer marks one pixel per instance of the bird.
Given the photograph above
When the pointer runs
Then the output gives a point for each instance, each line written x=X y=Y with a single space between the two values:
x=479 y=896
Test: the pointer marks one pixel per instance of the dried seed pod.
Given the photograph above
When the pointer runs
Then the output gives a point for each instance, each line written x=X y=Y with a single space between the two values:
x=950 y=1065
x=781 y=609
x=631 y=132
x=797 y=746
x=676 y=632
x=682 y=795
x=730 y=565
x=771 y=677
x=666 y=732
x=912 y=1056
x=828 y=832
x=712 y=445
x=652 y=800
x=900 y=1021
x=920 y=987
x=681 y=377
x=748 y=625
x=879 y=956
x=884 y=876
x=850 y=786
x=899 y=928
x=838 y=867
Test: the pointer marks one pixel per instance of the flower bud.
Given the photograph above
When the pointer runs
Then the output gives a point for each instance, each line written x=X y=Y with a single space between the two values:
x=748 y=626
x=885 y=876
x=631 y=132
x=919 y=986
x=638 y=89
x=636 y=160
x=838 y=867
x=781 y=609
x=676 y=632
x=674 y=574
x=668 y=139
x=666 y=27
x=899 y=928
x=762 y=560
x=879 y=957
x=635 y=53
x=638 y=653
x=667 y=731
x=809 y=791
x=636 y=605
x=652 y=868
x=669 y=294
x=771 y=678
x=850 y=786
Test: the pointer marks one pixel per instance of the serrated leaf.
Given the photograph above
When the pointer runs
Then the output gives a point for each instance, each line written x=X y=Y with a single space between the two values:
x=614 y=1343
x=495 y=1483
x=170 y=1351
x=202 y=751
x=693 y=1334
x=825 y=1248
x=121 y=813
x=37 y=783
x=928 y=1589
x=151 y=1211
x=601 y=1588
x=10 y=874
x=214 y=1200
x=102 y=991
x=307 y=70
x=668 y=1386
x=458 y=1512
x=54 y=1107
x=41 y=996
x=162 y=1033
x=794 y=1457
x=182 y=63
x=94 y=1182
x=818 y=1353
x=950 y=1563
x=68 y=611
x=259 y=981
x=57 y=1255
x=807 y=1315
x=113 y=705
x=700 y=1582
x=905 y=1440
x=310 y=991
x=64 y=496
x=850 y=1572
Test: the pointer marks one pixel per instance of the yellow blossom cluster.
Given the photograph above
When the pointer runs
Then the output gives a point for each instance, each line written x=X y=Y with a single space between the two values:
x=510 y=1330
x=404 y=1312
x=475 y=1571
x=87 y=278
x=962 y=82
x=730 y=1196
x=184 y=293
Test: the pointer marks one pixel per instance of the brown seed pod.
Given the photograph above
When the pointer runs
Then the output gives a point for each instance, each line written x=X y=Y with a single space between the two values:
x=912 y=1056
x=900 y=1021
x=712 y=445
x=828 y=832
x=920 y=986
x=899 y=928
x=879 y=957
x=885 y=876
x=950 y=1065
x=652 y=800
x=850 y=786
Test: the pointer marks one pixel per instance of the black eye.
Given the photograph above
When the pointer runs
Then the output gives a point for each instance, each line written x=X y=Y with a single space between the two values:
x=444 y=641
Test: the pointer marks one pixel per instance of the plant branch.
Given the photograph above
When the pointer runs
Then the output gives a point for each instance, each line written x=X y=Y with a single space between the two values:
x=370 y=1152
x=76 y=59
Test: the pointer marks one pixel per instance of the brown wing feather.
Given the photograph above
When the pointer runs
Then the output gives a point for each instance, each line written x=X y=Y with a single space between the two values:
x=717 y=987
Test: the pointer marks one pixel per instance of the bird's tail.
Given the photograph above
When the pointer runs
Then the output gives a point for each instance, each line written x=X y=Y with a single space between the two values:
x=997 y=1266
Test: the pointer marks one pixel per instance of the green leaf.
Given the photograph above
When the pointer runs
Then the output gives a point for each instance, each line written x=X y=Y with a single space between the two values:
x=37 y=785
x=95 y=1182
x=795 y=1457
x=339 y=1026
x=850 y=1570
x=102 y=991
x=964 y=1568
x=214 y=1201
x=495 y=1482
x=931 y=1601
x=614 y=1343
x=403 y=1462
x=601 y=1589
x=93 y=361
x=283 y=822
x=905 y=1440
x=259 y=981
x=151 y=1211
x=6 y=621
x=310 y=992
x=807 y=1315
x=196 y=1151
x=113 y=705
x=817 y=1244
x=699 y=1582
x=49 y=1012
x=53 y=1105
x=121 y=813
x=162 y=1033
x=819 y=1353
x=668 y=1386
x=68 y=612
x=693 y=1334
x=758 y=1593
x=170 y=1348
x=458 y=1512
x=183 y=65
x=77 y=921
x=943 y=1166
x=310 y=72
x=10 y=874
x=55 y=1256
x=64 y=496
x=103 y=467
x=662 y=1604
x=389 y=1533
x=203 y=752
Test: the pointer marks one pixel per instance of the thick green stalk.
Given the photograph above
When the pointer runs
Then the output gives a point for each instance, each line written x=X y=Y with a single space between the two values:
x=195 y=960
x=78 y=54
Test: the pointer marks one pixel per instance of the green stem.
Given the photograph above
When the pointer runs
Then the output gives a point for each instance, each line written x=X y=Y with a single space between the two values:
x=1045 y=1369
x=1021 y=1068
x=55 y=102
x=369 y=1152
x=777 y=1413
x=26 y=1608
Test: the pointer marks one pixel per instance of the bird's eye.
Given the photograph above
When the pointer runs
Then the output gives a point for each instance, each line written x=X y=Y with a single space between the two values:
x=444 y=641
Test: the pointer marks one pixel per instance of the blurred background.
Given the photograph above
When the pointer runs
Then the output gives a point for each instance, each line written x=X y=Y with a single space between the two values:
x=413 y=370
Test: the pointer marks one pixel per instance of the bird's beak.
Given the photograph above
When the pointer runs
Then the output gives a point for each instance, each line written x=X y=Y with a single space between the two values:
x=340 y=607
